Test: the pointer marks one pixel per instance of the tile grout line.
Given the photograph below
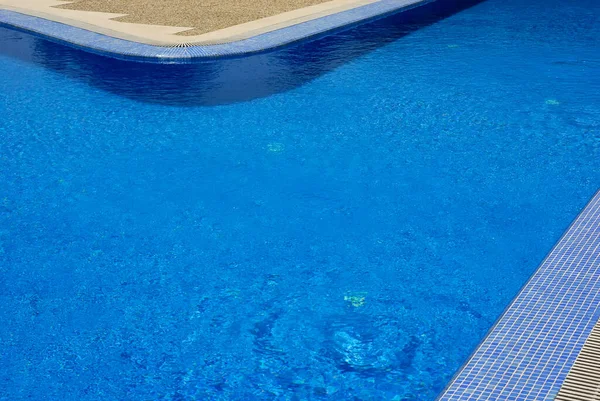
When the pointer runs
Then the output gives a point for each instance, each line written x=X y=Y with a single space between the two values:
x=528 y=351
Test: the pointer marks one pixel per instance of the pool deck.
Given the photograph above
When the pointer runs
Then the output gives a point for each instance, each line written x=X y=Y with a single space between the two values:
x=206 y=16
x=163 y=34
x=530 y=351
x=98 y=32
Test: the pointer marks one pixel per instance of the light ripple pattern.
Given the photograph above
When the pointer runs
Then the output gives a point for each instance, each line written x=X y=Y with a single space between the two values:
x=344 y=219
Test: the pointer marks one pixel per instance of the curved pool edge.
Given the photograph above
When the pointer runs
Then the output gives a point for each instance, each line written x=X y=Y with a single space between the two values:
x=531 y=348
x=109 y=46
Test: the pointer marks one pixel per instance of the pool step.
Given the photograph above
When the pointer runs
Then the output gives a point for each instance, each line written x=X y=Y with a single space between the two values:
x=583 y=381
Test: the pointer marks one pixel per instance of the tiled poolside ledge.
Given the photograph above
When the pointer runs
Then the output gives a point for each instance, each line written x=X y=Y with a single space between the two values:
x=529 y=352
x=105 y=44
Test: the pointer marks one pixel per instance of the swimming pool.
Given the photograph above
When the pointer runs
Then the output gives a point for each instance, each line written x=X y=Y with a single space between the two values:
x=343 y=219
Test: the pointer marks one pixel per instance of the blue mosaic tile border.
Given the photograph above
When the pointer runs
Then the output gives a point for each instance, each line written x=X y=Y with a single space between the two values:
x=527 y=354
x=124 y=49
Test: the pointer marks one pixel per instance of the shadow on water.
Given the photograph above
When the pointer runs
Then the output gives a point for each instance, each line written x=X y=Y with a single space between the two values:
x=225 y=81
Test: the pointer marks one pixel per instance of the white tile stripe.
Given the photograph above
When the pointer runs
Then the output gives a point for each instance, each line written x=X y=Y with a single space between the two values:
x=542 y=331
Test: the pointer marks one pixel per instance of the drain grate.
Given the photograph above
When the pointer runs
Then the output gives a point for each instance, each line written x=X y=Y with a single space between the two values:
x=583 y=381
x=181 y=45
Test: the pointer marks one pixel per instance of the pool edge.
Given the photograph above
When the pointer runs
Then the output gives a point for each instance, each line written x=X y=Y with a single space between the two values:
x=495 y=369
x=114 y=47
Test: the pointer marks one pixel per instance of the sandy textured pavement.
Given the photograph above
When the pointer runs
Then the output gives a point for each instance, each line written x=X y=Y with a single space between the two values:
x=203 y=15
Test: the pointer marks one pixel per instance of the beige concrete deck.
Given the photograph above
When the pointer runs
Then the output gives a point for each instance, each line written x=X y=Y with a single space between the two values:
x=126 y=26
x=204 y=15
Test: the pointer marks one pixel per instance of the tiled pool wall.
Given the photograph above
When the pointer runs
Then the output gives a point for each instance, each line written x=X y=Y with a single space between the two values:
x=129 y=50
x=528 y=353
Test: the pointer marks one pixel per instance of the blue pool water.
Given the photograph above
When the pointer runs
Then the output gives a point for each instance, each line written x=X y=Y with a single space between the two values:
x=340 y=220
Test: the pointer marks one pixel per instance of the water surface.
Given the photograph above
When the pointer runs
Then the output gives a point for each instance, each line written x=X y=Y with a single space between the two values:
x=341 y=220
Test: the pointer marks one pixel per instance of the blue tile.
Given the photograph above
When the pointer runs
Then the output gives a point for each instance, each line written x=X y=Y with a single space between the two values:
x=123 y=49
x=529 y=351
